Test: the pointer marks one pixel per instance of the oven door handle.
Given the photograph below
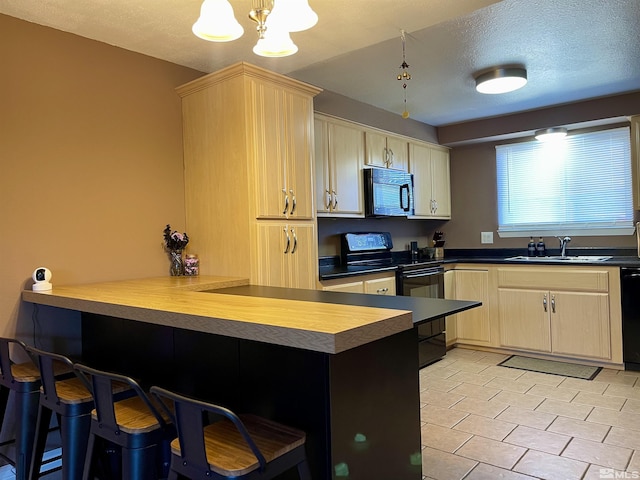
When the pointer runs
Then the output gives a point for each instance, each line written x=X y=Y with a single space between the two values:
x=423 y=273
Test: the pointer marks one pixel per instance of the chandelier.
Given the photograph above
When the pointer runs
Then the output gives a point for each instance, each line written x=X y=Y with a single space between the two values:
x=275 y=20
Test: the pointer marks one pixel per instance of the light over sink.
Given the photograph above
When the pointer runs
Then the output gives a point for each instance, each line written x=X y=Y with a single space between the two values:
x=561 y=259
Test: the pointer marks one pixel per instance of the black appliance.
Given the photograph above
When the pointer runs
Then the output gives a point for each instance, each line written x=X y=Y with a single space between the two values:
x=388 y=193
x=630 y=285
x=425 y=280
x=417 y=278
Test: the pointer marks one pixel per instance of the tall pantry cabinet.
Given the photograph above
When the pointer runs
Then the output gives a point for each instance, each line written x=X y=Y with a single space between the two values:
x=248 y=143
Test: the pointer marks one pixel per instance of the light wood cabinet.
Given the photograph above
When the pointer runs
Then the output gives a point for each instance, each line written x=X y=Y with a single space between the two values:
x=282 y=138
x=449 y=294
x=376 y=284
x=386 y=151
x=431 y=181
x=473 y=326
x=286 y=254
x=339 y=157
x=248 y=145
x=524 y=323
x=562 y=311
x=381 y=286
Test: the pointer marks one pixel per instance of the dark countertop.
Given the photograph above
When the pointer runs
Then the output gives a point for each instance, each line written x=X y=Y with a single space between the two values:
x=619 y=258
x=423 y=309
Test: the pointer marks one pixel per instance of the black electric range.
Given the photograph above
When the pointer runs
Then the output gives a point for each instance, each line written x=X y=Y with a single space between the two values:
x=416 y=277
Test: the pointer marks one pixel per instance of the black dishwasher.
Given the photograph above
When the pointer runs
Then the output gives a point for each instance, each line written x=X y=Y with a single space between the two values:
x=630 y=284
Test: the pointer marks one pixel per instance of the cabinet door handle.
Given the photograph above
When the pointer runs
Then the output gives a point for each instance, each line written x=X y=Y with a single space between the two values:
x=293 y=202
x=295 y=242
x=553 y=303
x=382 y=291
x=328 y=205
x=435 y=206
x=286 y=202
x=286 y=249
x=544 y=302
x=390 y=158
x=335 y=200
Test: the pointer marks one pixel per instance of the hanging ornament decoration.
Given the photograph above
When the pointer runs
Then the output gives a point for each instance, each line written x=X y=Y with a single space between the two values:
x=404 y=76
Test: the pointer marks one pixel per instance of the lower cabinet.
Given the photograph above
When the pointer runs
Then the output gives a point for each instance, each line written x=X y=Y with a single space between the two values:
x=472 y=326
x=288 y=255
x=562 y=311
x=376 y=284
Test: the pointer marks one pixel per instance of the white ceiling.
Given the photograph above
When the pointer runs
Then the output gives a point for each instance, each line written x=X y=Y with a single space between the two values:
x=572 y=49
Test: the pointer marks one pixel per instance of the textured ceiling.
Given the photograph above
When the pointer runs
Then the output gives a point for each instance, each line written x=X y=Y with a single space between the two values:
x=572 y=49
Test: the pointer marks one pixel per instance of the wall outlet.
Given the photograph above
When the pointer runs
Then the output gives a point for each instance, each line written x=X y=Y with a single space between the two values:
x=486 y=237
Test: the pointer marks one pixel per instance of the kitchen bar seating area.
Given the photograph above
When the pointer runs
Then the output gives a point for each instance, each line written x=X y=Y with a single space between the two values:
x=111 y=428
x=343 y=369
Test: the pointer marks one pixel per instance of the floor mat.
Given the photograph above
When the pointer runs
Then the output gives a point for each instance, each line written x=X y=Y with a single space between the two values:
x=550 y=366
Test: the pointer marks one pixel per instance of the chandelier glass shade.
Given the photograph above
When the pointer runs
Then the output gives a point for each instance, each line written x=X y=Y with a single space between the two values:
x=275 y=19
x=217 y=23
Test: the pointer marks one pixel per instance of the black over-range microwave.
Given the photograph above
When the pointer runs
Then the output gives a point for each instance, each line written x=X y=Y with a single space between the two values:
x=388 y=193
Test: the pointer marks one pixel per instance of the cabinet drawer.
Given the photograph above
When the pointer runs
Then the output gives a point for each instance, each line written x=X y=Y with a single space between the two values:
x=561 y=278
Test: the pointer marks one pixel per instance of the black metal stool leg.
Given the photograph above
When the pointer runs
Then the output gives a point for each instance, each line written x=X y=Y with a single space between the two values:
x=303 y=470
x=88 y=458
x=74 y=431
x=139 y=463
x=39 y=441
x=4 y=400
x=26 y=418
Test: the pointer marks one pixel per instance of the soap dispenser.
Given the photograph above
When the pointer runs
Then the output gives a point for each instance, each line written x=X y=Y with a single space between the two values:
x=541 y=249
x=531 y=251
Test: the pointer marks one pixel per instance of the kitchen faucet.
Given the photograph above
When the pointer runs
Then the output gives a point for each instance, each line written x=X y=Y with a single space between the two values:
x=563 y=245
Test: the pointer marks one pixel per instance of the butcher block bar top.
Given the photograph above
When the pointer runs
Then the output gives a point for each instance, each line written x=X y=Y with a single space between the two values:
x=191 y=303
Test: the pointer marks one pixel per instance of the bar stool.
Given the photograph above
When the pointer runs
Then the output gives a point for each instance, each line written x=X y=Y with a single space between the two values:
x=23 y=379
x=72 y=402
x=136 y=425
x=238 y=447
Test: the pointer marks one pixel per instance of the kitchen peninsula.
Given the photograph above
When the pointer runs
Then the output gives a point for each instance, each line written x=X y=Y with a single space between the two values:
x=342 y=367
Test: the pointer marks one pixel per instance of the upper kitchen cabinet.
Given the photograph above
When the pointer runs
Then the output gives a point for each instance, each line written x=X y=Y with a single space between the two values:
x=387 y=151
x=282 y=138
x=339 y=157
x=248 y=139
x=431 y=180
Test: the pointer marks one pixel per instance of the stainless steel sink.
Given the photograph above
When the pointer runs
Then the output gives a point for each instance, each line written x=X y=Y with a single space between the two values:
x=560 y=259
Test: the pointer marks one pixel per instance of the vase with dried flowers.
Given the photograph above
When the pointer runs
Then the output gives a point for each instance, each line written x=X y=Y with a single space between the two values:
x=174 y=243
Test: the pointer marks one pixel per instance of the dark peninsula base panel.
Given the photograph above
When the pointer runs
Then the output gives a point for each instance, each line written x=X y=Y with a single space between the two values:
x=360 y=408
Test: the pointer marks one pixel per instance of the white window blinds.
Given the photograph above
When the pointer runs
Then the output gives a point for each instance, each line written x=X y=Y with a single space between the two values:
x=578 y=186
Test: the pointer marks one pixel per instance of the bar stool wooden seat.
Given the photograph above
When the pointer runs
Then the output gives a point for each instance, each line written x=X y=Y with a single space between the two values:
x=72 y=402
x=238 y=447
x=140 y=429
x=23 y=379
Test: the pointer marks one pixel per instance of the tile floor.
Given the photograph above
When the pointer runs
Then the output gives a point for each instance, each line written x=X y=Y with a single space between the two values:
x=481 y=421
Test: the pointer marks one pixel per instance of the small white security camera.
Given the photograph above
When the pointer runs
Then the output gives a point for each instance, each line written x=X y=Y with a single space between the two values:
x=41 y=276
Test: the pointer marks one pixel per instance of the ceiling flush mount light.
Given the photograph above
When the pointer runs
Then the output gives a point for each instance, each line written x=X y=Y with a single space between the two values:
x=551 y=134
x=405 y=76
x=501 y=80
x=275 y=19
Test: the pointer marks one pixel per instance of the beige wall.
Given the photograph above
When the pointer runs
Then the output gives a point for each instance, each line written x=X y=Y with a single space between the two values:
x=91 y=159
x=474 y=208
